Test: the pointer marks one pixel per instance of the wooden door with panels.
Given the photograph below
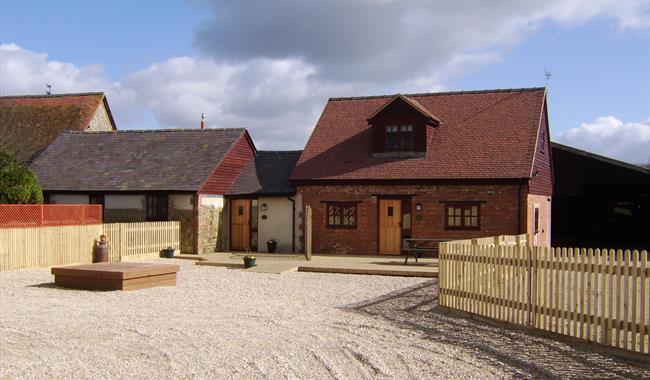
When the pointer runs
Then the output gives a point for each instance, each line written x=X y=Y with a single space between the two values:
x=240 y=224
x=390 y=226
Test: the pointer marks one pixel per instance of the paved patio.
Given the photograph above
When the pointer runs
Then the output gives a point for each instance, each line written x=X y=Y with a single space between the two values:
x=283 y=263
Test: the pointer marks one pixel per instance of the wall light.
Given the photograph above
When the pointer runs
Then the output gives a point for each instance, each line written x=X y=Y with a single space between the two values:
x=418 y=207
x=263 y=206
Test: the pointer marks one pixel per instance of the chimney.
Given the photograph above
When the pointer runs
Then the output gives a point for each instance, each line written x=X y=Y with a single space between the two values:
x=202 y=121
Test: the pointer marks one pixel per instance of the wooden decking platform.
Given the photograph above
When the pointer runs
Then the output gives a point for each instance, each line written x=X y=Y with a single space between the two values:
x=115 y=276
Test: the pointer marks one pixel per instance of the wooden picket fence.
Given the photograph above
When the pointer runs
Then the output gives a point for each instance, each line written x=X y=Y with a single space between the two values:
x=36 y=247
x=129 y=241
x=22 y=248
x=595 y=295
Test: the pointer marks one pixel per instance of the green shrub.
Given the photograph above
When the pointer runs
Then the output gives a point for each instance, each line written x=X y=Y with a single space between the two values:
x=18 y=184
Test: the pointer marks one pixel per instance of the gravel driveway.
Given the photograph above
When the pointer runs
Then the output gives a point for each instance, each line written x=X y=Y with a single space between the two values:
x=225 y=323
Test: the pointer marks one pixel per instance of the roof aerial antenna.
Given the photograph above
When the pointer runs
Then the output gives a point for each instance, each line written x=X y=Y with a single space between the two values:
x=548 y=75
x=48 y=89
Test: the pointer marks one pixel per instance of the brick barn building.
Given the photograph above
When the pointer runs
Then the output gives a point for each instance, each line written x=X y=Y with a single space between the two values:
x=452 y=165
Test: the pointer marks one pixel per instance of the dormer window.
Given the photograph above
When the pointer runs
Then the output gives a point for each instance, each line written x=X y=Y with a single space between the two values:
x=399 y=137
x=406 y=136
x=401 y=128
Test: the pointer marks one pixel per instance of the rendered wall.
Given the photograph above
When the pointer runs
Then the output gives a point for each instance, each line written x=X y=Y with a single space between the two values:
x=71 y=199
x=278 y=222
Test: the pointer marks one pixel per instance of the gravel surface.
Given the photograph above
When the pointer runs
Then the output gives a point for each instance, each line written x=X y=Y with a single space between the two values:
x=225 y=323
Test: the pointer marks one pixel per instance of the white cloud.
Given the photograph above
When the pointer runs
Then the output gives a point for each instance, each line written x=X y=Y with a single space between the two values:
x=611 y=137
x=271 y=66
x=277 y=99
x=23 y=71
x=391 y=40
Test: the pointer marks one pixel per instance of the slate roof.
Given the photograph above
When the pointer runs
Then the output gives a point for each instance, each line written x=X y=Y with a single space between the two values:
x=267 y=174
x=28 y=124
x=484 y=135
x=166 y=160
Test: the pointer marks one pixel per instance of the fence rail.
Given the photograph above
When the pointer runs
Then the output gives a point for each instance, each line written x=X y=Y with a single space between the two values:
x=595 y=295
x=25 y=216
x=22 y=248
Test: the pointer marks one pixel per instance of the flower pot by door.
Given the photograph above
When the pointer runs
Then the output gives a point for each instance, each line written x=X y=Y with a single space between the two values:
x=249 y=262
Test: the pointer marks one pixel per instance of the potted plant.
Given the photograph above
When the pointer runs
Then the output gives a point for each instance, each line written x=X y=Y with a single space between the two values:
x=249 y=261
x=271 y=245
x=168 y=253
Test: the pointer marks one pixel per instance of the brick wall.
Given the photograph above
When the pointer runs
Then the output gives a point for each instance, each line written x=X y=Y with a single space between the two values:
x=500 y=213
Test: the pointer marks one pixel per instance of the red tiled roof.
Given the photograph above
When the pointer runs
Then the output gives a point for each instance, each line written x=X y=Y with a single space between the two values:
x=483 y=134
x=28 y=124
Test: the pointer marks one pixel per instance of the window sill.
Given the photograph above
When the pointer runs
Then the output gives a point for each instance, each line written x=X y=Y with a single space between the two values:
x=399 y=154
x=340 y=228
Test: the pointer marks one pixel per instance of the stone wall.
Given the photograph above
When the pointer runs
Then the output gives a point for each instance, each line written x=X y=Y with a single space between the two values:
x=211 y=223
x=100 y=121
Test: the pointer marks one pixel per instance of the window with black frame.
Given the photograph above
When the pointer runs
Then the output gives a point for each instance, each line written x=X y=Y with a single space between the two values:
x=399 y=137
x=157 y=207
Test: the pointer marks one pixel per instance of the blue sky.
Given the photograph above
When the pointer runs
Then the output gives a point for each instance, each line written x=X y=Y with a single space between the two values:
x=163 y=63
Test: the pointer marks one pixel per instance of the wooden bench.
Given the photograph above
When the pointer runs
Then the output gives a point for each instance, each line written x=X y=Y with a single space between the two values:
x=115 y=276
x=412 y=247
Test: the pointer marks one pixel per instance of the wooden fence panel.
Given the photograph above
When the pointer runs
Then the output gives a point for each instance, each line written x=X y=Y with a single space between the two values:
x=129 y=241
x=594 y=295
x=22 y=248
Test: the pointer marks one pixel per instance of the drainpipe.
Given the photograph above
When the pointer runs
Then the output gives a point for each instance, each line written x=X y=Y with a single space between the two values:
x=519 y=210
x=293 y=225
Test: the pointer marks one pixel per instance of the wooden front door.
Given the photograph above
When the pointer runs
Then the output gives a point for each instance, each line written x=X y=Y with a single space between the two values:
x=390 y=226
x=240 y=224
